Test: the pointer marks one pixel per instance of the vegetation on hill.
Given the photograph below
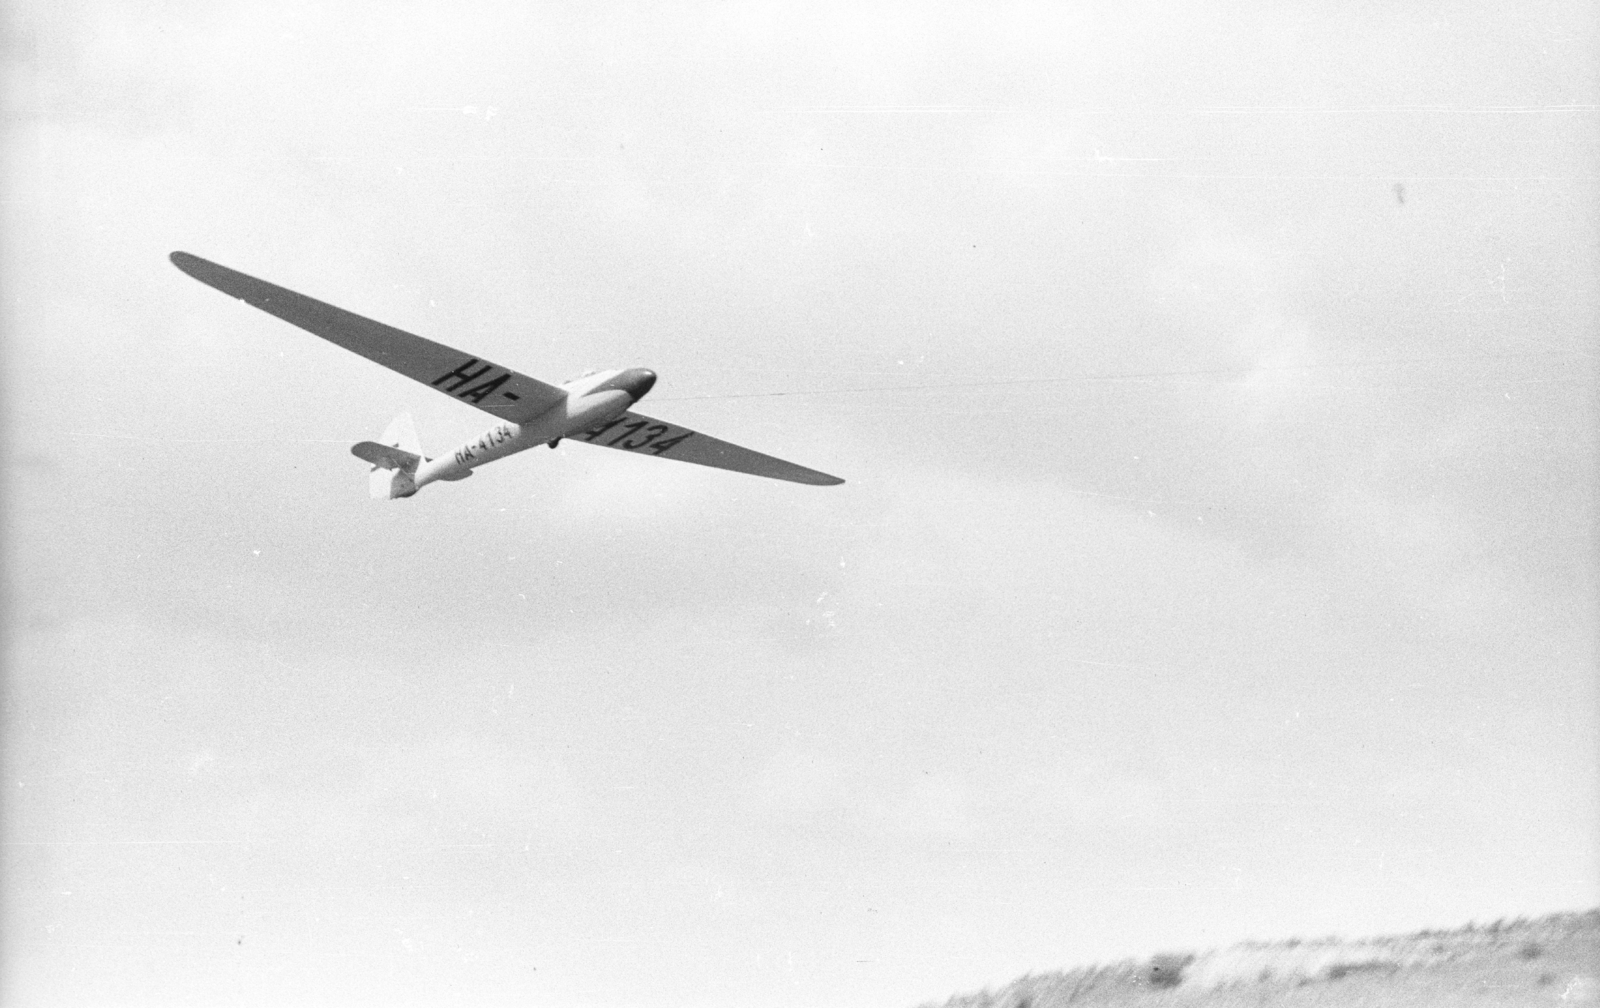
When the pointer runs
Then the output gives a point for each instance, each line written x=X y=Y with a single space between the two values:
x=1547 y=960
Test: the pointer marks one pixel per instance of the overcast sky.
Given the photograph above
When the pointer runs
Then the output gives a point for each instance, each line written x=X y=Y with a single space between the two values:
x=1271 y=613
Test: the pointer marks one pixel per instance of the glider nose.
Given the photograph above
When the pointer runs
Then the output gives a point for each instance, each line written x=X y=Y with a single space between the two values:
x=636 y=382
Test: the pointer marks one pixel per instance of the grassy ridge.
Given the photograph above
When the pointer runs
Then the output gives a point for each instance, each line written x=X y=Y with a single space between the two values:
x=1552 y=960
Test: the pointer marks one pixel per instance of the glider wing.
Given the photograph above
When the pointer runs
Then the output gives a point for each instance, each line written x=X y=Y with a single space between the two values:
x=494 y=389
x=644 y=435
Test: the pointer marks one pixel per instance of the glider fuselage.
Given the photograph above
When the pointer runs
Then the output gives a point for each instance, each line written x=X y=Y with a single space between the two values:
x=590 y=400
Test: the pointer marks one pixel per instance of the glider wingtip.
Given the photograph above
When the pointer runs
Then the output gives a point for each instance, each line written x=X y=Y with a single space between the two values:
x=186 y=261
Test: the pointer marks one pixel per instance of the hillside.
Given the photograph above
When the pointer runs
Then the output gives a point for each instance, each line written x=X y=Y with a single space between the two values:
x=1552 y=960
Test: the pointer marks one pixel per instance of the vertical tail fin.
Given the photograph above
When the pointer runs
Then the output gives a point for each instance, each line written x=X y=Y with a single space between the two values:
x=402 y=434
x=394 y=459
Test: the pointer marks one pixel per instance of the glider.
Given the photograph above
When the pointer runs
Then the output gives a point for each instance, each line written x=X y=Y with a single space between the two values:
x=595 y=408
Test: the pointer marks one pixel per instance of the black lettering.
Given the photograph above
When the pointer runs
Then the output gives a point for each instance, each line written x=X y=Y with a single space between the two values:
x=626 y=430
x=594 y=432
x=661 y=447
x=477 y=392
x=651 y=433
x=511 y=395
x=462 y=375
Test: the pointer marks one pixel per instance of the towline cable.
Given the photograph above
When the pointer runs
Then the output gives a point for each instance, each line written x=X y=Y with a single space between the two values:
x=993 y=383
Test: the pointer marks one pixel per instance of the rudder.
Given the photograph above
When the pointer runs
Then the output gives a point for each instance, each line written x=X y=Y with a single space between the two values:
x=402 y=433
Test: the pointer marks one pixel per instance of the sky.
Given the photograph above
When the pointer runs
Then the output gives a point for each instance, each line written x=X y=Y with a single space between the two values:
x=1215 y=388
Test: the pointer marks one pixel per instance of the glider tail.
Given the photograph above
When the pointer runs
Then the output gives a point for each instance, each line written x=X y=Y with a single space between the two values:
x=394 y=461
x=402 y=434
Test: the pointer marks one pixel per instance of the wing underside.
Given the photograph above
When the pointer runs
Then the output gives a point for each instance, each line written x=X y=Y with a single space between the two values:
x=497 y=390
x=642 y=435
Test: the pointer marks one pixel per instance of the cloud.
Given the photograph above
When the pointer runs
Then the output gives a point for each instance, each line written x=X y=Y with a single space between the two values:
x=807 y=783
x=936 y=806
x=471 y=787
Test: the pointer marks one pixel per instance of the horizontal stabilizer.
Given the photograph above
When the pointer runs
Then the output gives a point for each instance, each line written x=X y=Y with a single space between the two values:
x=386 y=456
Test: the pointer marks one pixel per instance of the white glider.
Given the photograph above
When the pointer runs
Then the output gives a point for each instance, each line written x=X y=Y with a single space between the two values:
x=594 y=408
